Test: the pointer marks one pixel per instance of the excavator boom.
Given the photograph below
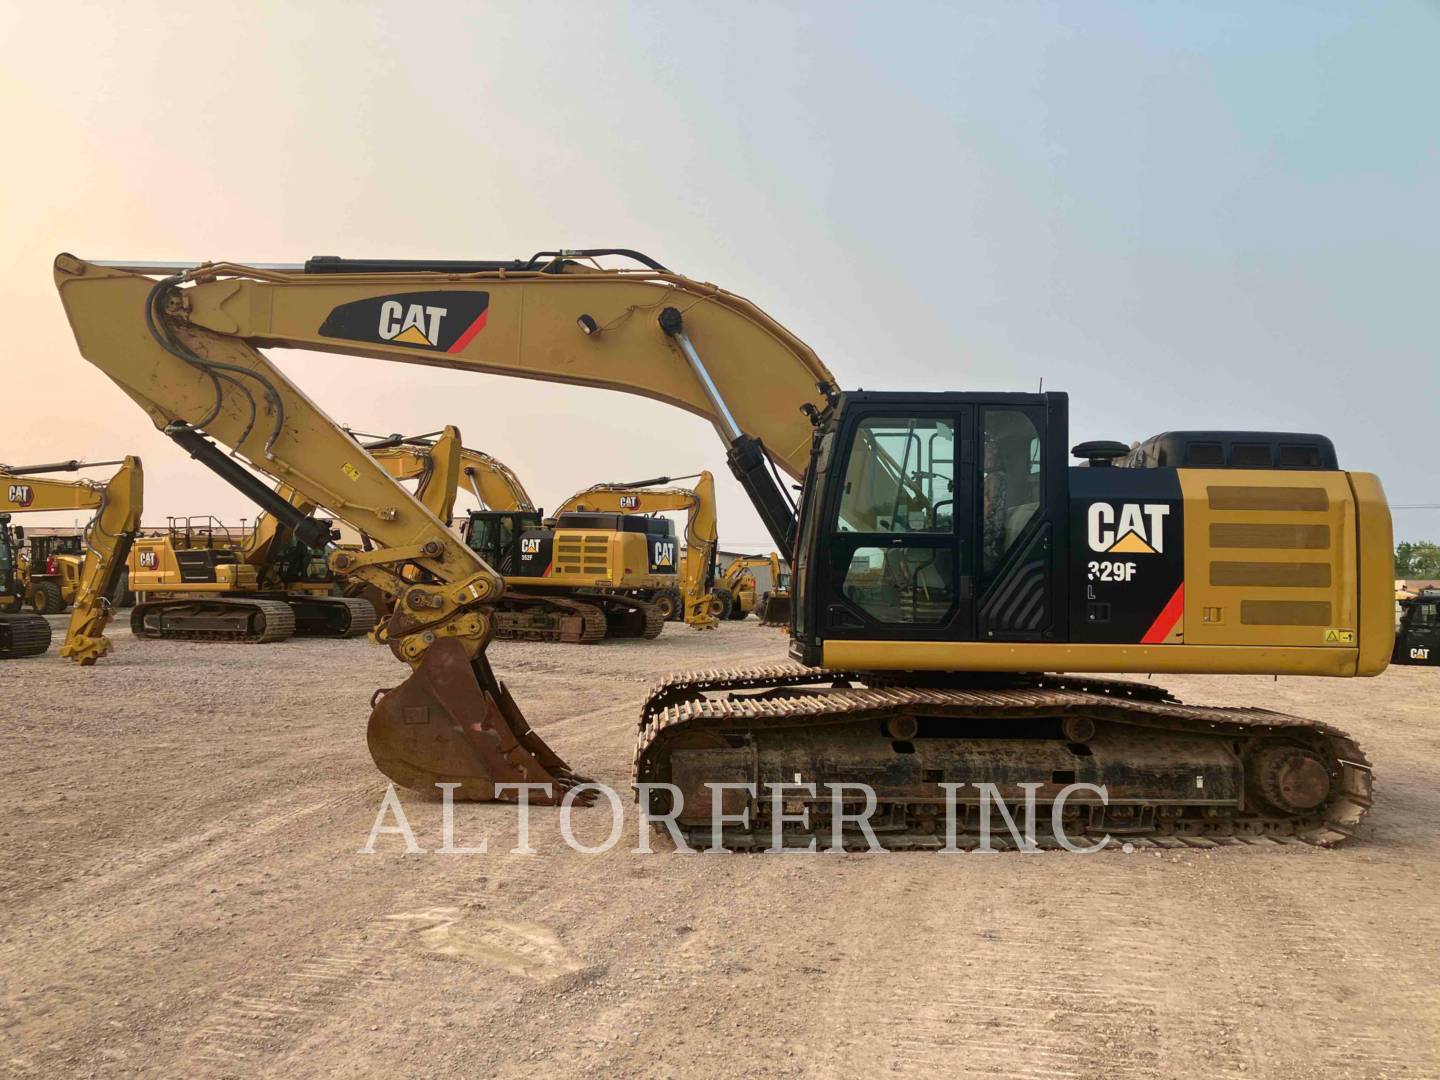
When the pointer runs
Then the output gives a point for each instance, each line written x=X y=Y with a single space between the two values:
x=492 y=482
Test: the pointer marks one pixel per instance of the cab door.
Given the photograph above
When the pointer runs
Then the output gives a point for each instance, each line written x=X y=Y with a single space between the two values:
x=943 y=521
x=899 y=551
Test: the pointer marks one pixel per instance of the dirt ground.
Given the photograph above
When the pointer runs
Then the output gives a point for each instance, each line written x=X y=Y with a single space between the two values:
x=181 y=894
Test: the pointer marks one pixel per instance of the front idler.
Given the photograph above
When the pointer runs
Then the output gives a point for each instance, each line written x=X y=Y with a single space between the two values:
x=453 y=722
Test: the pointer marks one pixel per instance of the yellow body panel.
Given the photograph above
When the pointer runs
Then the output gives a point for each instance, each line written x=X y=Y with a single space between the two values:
x=1376 y=567
x=1270 y=558
x=155 y=569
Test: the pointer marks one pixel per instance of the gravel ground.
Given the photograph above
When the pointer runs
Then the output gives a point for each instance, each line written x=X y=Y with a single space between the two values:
x=181 y=894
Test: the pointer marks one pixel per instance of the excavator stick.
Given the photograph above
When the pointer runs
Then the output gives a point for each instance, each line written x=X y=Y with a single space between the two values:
x=453 y=722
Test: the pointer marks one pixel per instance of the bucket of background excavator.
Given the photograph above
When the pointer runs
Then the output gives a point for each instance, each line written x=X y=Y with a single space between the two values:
x=777 y=611
x=450 y=722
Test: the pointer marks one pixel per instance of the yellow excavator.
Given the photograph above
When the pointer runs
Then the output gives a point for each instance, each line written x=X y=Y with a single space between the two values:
x=947 y=559
x=579 y=580
x=699 y=601
x=55 y=580
x=200 y=580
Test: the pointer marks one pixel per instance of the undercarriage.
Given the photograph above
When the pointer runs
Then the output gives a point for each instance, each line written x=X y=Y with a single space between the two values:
x=939 y=752
x=252 y=619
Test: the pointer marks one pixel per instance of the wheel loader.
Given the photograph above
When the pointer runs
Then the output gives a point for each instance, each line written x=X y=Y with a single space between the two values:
x=584 y=582
x=949 y=561
x=52 y=577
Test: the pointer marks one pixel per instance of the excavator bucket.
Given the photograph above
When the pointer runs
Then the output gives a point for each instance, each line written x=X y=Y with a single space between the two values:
x=776 y=610
x=453 y=722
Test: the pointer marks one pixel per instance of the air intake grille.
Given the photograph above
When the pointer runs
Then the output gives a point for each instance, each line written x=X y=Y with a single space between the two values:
x=587 y=555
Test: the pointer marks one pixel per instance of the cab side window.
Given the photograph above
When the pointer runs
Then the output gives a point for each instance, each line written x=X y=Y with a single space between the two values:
x=900 y=477
x=1011 y=489
x=899 y=493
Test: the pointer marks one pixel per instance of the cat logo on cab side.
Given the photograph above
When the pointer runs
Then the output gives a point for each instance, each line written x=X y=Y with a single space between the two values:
x=1133 y=529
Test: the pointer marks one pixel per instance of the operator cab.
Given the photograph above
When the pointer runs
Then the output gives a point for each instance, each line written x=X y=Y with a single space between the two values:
x=44 y=549
x=958 y=517
x=496 y=536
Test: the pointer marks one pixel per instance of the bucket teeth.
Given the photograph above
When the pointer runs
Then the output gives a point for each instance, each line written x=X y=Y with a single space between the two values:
x=453 y=722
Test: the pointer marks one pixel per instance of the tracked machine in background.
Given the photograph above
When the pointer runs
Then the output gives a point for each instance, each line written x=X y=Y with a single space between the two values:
x=21 y=634
x=580 y=583
x=89 y=576
x=692 y=595
x=946 y=557
x=201 y=581
x=1417 y=638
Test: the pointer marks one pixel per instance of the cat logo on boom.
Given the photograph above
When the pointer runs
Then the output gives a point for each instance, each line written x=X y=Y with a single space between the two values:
x=1136 y=529
x=410 y=324
x=21 y=494
x=629 y=502
x=441 y=321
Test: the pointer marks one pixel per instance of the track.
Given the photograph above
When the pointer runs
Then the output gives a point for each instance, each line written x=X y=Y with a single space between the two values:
x=218 y=619
x=23 y=635
x=332 y=616
x=539 y=617
x=1176 y=775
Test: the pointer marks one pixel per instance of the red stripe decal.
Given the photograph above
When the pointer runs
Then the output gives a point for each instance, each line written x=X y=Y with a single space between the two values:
x=1166 y=620
x=470 y=332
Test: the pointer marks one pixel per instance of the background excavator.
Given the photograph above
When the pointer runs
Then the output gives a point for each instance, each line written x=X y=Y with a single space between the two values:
x=53 y=580
x=698 y=600
x=581 y=583
x=202 y=581
x=1417 y=638
x=945 y=557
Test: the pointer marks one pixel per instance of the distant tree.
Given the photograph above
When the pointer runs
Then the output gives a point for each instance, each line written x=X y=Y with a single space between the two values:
x=1417 y=559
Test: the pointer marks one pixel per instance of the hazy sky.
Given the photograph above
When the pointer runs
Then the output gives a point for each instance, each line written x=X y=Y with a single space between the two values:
x=1186 y=215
